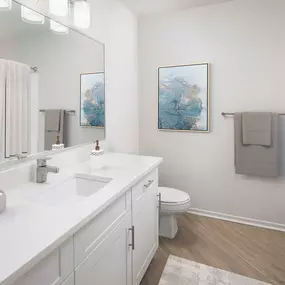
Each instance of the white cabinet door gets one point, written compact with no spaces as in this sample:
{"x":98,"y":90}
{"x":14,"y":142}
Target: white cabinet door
{"x":111,"y":262}
{"x":91,"y":235}
{"x":145,"y":220}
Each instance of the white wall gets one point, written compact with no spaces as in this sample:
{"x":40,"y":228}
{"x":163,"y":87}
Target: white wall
{"x":244,"y":41}
{"x":116,"y":27}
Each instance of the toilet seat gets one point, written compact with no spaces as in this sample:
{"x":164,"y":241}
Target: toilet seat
{"x":173,"y":200}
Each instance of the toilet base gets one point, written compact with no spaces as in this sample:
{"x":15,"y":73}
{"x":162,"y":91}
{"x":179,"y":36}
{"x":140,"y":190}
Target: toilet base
{"x":168,"y":226}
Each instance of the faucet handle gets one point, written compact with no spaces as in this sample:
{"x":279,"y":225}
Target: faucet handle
{"x":42,"y":161}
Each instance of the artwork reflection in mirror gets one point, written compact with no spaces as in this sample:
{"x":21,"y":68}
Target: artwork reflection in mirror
{"x":45,"y":97}
{"x":92,"y":100}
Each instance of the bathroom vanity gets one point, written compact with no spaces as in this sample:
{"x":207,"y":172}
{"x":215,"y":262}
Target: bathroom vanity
{"x":65,"y":232}
{"x":80,"y":226}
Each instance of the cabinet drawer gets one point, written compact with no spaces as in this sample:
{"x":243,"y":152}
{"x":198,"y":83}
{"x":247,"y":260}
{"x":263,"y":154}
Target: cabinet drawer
{"x":88,"y":238}
{"x":142,"y":189}
{"x":53,"y":269}
{"x":46,"y":272}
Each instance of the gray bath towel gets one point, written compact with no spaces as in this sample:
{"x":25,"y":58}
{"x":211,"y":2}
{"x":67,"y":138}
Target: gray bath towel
{"x":256,"y":159}
{"x":256,"y":128}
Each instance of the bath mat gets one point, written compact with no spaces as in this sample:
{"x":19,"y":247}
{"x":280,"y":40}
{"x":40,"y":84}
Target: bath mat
{"x":179,"y":271}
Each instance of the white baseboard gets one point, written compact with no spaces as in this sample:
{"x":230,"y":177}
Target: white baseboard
{"x":240,"y":220}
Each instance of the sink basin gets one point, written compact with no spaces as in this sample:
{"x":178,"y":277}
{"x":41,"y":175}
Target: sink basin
{"x":73,"y":190}
{"x":88,"y":186}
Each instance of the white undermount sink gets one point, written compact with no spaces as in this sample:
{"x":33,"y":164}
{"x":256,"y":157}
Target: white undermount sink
{"x":73,"y":190}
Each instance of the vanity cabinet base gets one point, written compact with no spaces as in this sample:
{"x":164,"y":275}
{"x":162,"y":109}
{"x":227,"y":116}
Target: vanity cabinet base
{"x":115,"y":248}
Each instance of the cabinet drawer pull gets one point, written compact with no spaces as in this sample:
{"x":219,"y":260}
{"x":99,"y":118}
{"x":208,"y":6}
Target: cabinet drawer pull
{"x":132,"y":229}
{"x":149,"y":183}
{"x":159,"y":208}
{"x":159,"y":201}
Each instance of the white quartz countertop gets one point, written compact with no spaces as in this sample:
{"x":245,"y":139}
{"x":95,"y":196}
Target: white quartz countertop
{"x":30,"y":229}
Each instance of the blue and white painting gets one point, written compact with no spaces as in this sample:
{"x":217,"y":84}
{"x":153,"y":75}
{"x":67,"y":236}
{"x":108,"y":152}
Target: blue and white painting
{"x":183,"y":102}
{"x":92,"y":111}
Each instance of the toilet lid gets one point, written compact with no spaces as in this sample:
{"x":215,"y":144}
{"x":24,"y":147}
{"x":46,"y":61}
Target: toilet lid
{"x":171,"y":195}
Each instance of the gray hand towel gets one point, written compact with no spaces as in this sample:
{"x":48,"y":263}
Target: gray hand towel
{"x":256,"y":159}
{"x":256,"y":129}
{"x":54,"y":126}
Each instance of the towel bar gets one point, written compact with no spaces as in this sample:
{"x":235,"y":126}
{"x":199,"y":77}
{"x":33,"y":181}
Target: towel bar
{"x":71,"y":112}
{"x":232,"y":114}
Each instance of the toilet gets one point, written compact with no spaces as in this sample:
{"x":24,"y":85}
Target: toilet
{"x":173,"y":203}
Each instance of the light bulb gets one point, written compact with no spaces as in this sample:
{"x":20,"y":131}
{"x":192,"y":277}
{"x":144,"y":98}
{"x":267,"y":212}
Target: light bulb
{"x":31,"y":16}
{"x":81,"y":14}
{"x":58,"y":7}
{"x":5,"y":4}
{"x":58,"y":28}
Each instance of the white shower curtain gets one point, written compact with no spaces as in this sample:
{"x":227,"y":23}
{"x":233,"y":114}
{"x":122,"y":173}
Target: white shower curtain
{"x":17,"y":97}
{"x":17,"y":85}
{"x":2,"y":107}
{"x":34,"y":114}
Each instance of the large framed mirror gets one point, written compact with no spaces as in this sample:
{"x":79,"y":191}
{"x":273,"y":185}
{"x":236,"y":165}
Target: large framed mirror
{"x":52,"y":85}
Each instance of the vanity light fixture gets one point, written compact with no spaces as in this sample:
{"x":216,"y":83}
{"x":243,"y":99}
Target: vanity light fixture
{"x":58,"y":7}
{"x":5,"y":4}
{"x":81,"y":14}
{"x":31,"y":16}
{"x":58,"y":28}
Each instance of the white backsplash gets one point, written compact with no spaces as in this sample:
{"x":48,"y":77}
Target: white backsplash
{"x":24,"y":172}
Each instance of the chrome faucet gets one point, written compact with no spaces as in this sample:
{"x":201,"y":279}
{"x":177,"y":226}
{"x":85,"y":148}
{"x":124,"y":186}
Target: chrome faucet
{"x":43,"y":169}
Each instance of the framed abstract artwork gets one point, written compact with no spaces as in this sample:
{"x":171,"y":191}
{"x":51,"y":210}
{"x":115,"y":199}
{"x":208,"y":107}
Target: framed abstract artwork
{"x":183,"y":98}
{"x":92,"y":100}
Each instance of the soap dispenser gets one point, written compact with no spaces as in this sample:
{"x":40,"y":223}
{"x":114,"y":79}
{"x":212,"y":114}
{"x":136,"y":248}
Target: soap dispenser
{"x":57,"y":144}
{"x":96,"y":157}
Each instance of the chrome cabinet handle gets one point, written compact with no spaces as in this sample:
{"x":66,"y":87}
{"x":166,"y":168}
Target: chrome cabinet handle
{"x":132,"y":229}
{"x":2,"y":201}
{"x":159,"y":201}
{"x":149,"y":183}
{"x":159,"y":208}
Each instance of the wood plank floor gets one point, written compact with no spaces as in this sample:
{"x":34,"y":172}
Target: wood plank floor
{"x":249,"y":251}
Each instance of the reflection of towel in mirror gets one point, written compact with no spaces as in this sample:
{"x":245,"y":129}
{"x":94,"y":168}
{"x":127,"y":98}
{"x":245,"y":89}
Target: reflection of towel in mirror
{"x":52,"y":120}
{"x":253,"y":159}
{"x":54,"y":126}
